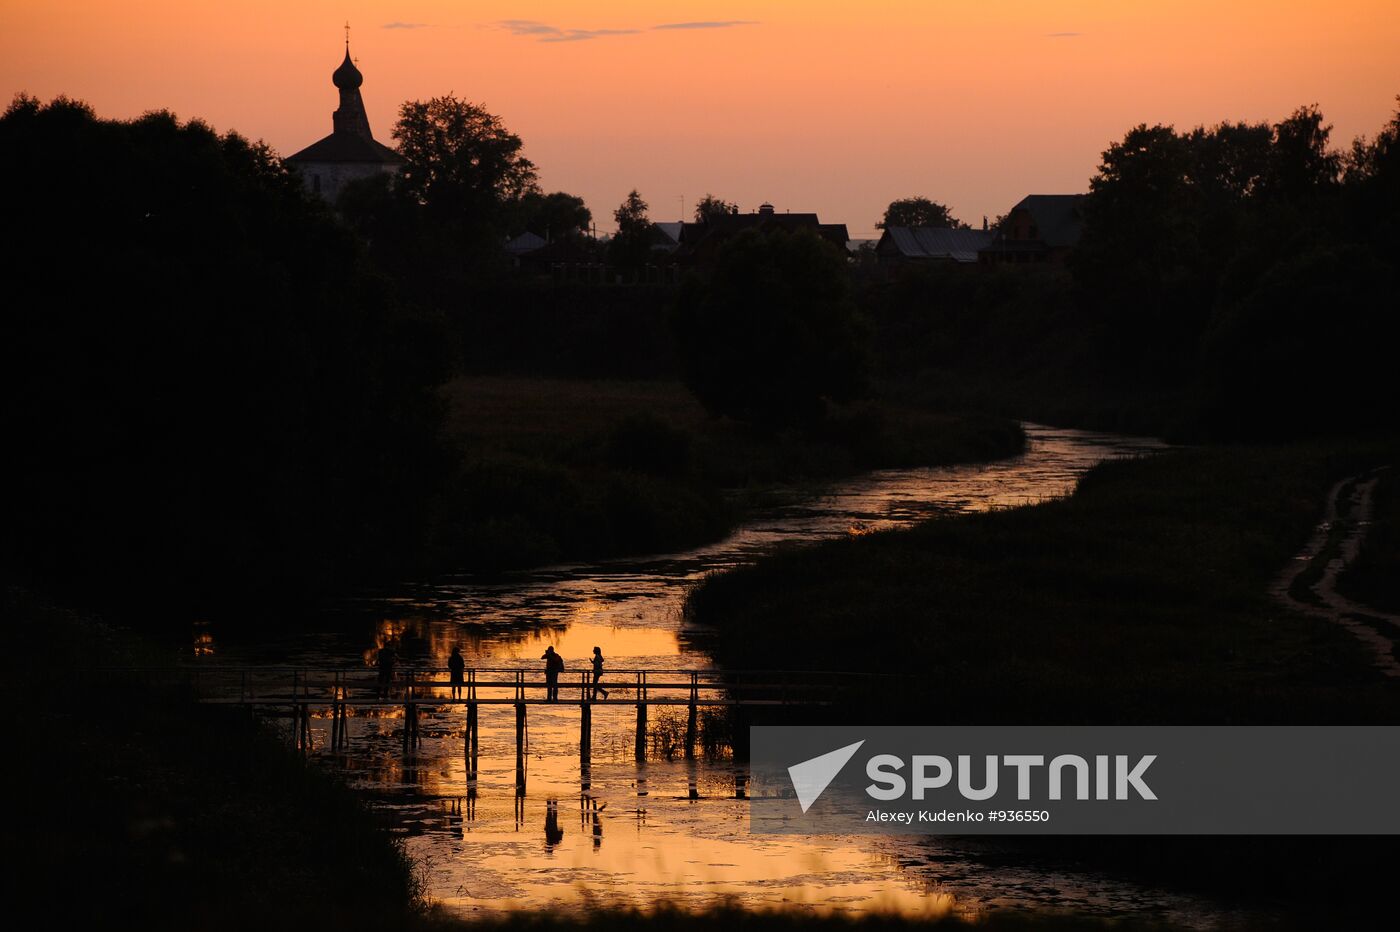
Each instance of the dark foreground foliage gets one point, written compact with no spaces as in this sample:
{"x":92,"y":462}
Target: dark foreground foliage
{"x":157,"y":813}
{"x":202,"y":381}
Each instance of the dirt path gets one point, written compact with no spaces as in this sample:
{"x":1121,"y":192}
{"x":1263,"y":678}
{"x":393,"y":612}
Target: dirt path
{"x":1334,"y":546}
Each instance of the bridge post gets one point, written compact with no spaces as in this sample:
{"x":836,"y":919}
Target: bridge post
{"x":691,"y":716}
{"x":335,"y":713}
{"x":520,"y":749}
{"x":640,"y":749}
{"x":471,"y":746}
{"x":585,"y":733}
{"x":410,"y":717}
{"x":340,"y":729}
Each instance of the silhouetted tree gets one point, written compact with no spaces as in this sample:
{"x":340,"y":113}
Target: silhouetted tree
{"x":773,"y":334}
{"x":630,"y":248}
{"x":918,"y":212}
{"x":710,"y":206}
{"x":460,"y":158}
{"x":1302,"y":168}
{"x":441,"y":222}
{"x":203,"y":383}
{"x":1372,"y":184}
{"x":553,"y":216}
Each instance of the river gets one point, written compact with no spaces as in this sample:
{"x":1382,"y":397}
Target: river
{"x":640,"y":835}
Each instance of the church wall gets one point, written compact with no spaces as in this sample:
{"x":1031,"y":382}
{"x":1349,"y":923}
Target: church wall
{"x":327,"y":179}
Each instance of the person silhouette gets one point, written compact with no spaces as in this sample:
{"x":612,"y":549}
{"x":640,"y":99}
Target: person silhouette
{"x":553,"y":666}
{"x":388,"y":657}
{"x":598,"y":672}
{"x":456,"y":666}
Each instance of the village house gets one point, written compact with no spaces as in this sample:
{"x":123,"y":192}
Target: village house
{"x":901,"y":245}
{"x":1040,"y":228}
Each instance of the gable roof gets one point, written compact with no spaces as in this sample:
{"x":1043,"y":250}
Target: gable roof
{"x":933,"y":243}
{"x":671,"y":230}
{"x":1058,"y":217}
{"x":526,"y":242}
{"x":347,"y":147}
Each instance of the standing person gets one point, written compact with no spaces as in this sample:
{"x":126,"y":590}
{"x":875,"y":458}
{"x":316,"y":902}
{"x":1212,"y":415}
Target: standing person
{"x":553,"y":666}
{"x":598,"y":672}
{"x":388,"y":656}
{"x":456,"y":666}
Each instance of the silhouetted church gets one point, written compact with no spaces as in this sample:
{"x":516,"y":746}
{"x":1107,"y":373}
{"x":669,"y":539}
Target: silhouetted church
{"x":350,"y":151}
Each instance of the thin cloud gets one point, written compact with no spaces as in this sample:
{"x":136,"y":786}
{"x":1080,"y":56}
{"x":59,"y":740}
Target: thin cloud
{"x":405,"y":26}
{"x":583,"y":35}
{"x":544,"y":32}
{"x":714,"y":24}
{"x":528,"y":27}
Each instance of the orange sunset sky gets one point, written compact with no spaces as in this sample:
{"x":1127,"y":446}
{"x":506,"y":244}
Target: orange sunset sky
{"x":836,"y":107}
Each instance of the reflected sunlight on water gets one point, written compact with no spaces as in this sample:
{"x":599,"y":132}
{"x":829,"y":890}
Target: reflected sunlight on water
{"x":668,"y":830}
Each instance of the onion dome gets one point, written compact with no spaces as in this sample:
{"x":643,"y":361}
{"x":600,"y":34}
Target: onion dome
{"x":347,"y":77}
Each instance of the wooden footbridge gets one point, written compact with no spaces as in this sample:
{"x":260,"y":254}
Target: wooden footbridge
{"x":302,"y":692}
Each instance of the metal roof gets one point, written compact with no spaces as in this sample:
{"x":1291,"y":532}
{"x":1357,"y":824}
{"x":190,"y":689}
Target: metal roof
{"x":937,"y":242}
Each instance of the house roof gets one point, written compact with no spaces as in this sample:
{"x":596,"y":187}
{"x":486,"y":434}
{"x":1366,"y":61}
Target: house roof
{"x":526,"y":242}
{"x":934,"y":243}
{"x":671,"y":229}
{"x":1058,"y":218}
{"x":347,"y":147}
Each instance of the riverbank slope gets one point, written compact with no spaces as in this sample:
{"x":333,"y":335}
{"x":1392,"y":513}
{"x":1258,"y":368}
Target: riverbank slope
{"x":1142,"y":598}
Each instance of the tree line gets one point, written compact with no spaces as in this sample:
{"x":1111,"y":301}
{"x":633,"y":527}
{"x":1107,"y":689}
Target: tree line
{"x":213,"y":382}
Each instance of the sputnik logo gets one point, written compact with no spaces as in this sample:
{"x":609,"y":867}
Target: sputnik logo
{"x":811,"y":777}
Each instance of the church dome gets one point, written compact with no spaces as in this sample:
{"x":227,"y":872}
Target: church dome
{"x":347,"y":77}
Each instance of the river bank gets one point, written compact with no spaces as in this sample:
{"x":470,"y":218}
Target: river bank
{"x":1142,"y":598}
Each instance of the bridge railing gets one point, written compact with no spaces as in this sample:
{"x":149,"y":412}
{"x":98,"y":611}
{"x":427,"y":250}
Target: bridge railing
{"x":362,"y":685}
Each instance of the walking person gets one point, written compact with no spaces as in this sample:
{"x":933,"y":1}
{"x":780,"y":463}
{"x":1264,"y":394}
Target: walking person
{"x":553,"y":666}
{"x":598,"y":673}
{"x":456,"y":666}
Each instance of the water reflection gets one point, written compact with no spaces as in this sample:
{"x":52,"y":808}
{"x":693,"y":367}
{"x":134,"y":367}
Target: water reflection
{"x":676,"y":826}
